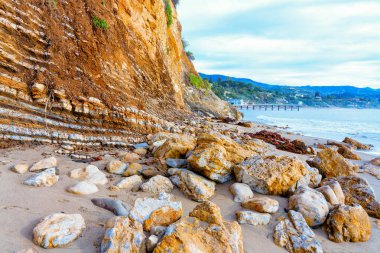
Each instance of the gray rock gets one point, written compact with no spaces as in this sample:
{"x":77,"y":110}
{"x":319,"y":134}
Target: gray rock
{"x":141,"y":145}
{"x":45,"y":178}
{"x":295,"y":235}
{"x":241,"y":192}
{"x":151,"y":243}
{"x":252,"y":218}
{"x":113,"y":205}
{"x":176,"y":163}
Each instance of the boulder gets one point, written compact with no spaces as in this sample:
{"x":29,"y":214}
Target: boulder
{"x":375,"y":161}
{"x":45,"y":178}
{"x":123,"y":235}
{"x":207,"y":212}
{"x":191,"y":234}
{"x":116,"y":167}
{"x":252,"y":218}
{"x":20,"y":168}
{"x":47,"y":163}
{"x":331,"y":164}
{"x":90,"y":174}
{"x":215,"y":155}
{"x":113,"y":205}
{"x":129,"y":157}
{"x":255,"y":146}
{"x":241,"y":192}
{"x":357,"y":144}
{"x":58,"y":230}
{"x":348,"y":224}
{"x":176,"y":163}
{"x":261,"y":204}
{"x":332,"y":191}
{"x":140,"y":151}
{"x":311,"y":204}
{"x":192,"y":185}
{"x":348,"y":153}
{"x":159,"y":211}
{"x":175,"y":147}
{"x":133,"y":169}
{"x":358,"y":191}
{"x":158,"y":184}
{"x":271,"y":174}
{"x":132,"y":183}
{"x":295,"y":235}
{"x":83,"y":188}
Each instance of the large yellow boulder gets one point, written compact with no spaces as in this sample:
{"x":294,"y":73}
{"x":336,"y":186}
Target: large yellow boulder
{"x":331,"y":164}
{"x":348,"y":224}
{"x":215,"y":155}
{"x":175,"y":147}
{"x":202,"y":233}
{"x":273,"y":175}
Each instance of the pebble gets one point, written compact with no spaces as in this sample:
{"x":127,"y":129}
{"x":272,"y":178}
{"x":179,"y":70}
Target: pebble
{"x":252,"y":218}
{"x":20,"y":168}
{"x":241,"y":192}
{"x":113,"y":205}
{"x":50,"y":162}
{"x":157,"y":185}
{"x":131,"y":183}
{"x":45,"y":178}
{"x":83,"y":188}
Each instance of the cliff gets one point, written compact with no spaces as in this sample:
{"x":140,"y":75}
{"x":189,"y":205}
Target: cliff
{"x":94,"y":72}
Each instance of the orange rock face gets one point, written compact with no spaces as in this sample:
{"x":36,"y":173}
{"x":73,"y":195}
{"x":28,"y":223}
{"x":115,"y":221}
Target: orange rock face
{"x":61,"y":70}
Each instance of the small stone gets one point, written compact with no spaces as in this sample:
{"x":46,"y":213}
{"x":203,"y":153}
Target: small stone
{"x":295,"y":235}
{"x":311,"y":204}
{"x":43,"y":164}
{"x":151,"y":243}
{"x":130,"y":158}
{"x":151,"y":172}
{"x":156,"y":212}
{"x":132,"y":183}
{"x":176,"y":163}
{"x":141,"y":145}
{"x":192,"y":185}
{"x":348,"y":224}
{"x":261,"y":204}
{"x":133,"y":169}
{"x":116,"y":167}
{"x":45,"y":178}
{"x":83,"y":188}
{"x":140,"y":151}
{"x":91,"y":174}
{"x":58,"y":230}
{"x":241,"y":192}
{"x":113,"y":205}
{"x":207,"y":212}
{"x":20,"y":168}
{"x":248,"y":217}
{"x":123,"y":235}
{"x":158,"y":184}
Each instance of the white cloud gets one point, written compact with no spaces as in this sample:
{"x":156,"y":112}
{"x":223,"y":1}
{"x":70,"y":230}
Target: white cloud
{"x":330,"y":43}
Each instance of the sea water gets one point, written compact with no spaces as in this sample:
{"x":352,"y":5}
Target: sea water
{"x":334,"y":124}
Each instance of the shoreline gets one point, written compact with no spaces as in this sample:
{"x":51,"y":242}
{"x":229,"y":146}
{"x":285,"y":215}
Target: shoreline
{"x":22,"y":206}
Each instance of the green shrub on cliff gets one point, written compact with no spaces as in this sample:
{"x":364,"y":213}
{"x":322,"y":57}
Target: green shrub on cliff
{"x":100,"y":23}
{"x":169,"y":13}
{"x":198,"y":82}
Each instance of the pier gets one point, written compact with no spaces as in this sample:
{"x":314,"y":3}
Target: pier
{"x":271,"y":107}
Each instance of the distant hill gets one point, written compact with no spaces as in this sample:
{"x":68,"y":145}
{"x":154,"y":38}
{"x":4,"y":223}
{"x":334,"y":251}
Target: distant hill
{"x":232,"y":88}
{"x":324,"y":90}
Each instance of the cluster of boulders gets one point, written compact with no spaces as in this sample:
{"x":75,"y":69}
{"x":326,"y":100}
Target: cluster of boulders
{"x":340,"y":202}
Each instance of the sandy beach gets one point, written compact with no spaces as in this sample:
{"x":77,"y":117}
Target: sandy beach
{"x":21,"y":206}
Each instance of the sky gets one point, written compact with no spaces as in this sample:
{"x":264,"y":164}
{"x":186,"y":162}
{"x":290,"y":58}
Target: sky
{"x":297,"y":42}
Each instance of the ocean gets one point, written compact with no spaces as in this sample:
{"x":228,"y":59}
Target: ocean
{"x":330,"y":123}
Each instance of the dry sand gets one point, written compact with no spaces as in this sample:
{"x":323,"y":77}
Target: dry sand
{"x":21,"y":206}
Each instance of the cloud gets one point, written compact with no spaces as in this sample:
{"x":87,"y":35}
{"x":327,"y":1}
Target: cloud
{"x":330,"y":43}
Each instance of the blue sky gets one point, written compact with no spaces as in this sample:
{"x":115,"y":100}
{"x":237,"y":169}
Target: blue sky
{"x":297,"y":42}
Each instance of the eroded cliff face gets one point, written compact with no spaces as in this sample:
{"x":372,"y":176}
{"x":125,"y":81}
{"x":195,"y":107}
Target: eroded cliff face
{"x":64,"y":79}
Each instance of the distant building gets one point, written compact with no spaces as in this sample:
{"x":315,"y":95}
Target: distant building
{"x":236,"y":101}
